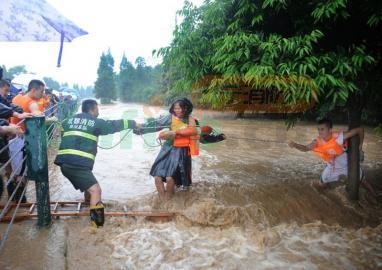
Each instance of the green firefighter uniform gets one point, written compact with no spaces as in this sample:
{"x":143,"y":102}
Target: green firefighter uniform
{"x":78,"y":147}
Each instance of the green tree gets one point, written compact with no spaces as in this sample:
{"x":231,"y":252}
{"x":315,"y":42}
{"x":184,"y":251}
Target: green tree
{"x":83,"y":92}
{"x":16,"y":70}
{"x":140,"y":83}
{"x":125,"y":80}
{"x":13,"y":71}
{"x":105,"y":83}
{"x":146,"y":83}
{"x":328,"y":50}
{"x":86,"y":92}
{"x":52,"y":83}
{"x":141,"y":76}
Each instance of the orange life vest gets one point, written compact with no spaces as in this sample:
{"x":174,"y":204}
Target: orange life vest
{"x":43,"y":103}
{"x":163,"y":135}
{"x":184,"y":137}
{"x":329,"y":150}
{"x":23,"y":101}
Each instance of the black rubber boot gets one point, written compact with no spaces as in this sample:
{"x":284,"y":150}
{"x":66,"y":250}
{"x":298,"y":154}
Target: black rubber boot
{"x":97,"y":215}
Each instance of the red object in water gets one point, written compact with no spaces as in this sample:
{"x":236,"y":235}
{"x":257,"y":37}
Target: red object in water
{"x":206,"y":130}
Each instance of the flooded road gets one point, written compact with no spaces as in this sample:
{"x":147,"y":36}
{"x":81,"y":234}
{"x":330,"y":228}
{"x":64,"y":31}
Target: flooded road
{"x":251,"y":206}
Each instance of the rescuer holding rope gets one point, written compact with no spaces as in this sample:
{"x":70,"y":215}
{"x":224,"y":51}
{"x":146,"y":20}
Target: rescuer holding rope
{"x":78,"y":150}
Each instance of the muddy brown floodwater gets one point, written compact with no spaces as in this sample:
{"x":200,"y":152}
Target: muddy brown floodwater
{"x":251,"y":206}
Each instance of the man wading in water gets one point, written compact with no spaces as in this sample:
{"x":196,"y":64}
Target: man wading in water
{"x":78,"y":150}
{"x":331,"y":147}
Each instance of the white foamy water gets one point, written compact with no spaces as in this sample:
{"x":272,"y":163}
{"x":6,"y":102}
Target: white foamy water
{"x":251,"y":207}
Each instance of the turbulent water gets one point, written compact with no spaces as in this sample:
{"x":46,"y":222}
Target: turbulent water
{"x":251,"y":206}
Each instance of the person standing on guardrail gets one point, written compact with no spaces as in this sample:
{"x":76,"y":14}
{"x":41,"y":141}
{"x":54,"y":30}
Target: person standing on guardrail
{"x":78,"y":149}
{"x":29,"y":103}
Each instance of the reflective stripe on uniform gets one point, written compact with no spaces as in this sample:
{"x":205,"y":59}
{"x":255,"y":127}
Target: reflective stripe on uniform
{"x":125,"y":123}
{"x":77,"y":153}
{"x":81,"y":134}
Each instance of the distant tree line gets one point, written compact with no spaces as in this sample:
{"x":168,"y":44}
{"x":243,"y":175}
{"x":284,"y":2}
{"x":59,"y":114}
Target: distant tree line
{"x":133,"y":83}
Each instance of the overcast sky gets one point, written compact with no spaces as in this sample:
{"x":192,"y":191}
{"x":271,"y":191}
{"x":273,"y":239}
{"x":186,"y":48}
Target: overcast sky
{"x":135,"y":27}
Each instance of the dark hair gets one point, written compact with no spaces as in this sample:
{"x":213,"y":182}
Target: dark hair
{"x":88,"y":105}
{"x":328,"y":122}
{"x":184,"y":103}
{"x":4,"y":83}
{"x":35,"y":84}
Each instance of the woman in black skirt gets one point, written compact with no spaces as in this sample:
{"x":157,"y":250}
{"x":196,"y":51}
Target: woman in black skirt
{"x":173,"y":163}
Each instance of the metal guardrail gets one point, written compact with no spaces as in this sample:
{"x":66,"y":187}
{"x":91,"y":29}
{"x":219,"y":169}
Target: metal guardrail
{"x":37,"y":138}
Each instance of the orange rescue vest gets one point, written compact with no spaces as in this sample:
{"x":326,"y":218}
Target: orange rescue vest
{"x":43,"y":103}
{"x":329,"y":150}
{"x":204,"y":130}
{"x":184,"y":137}
{"x":23,"y":101}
